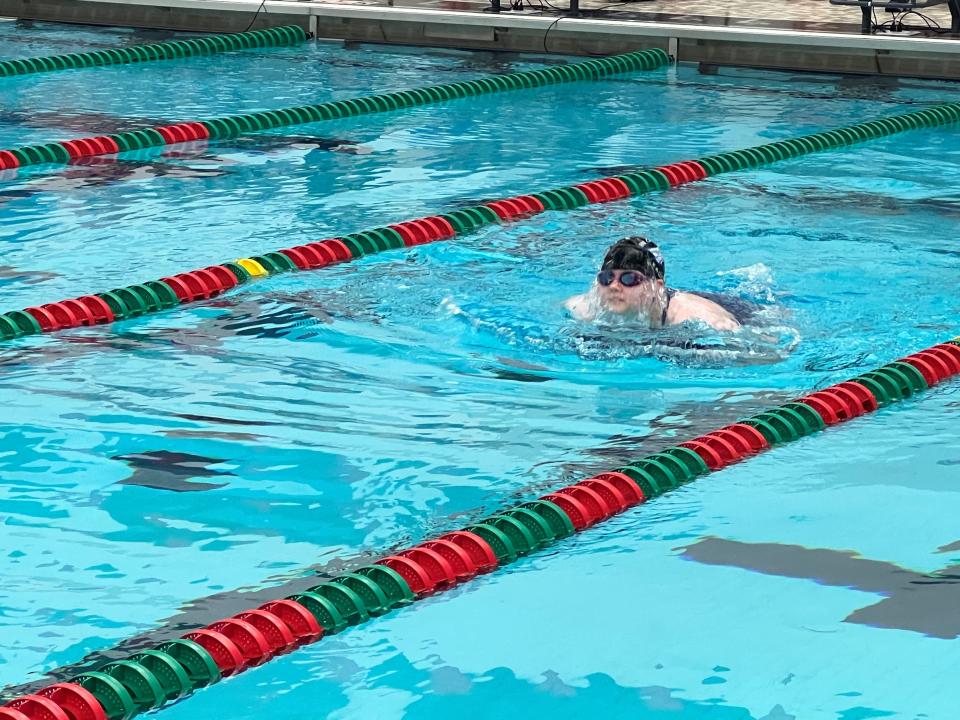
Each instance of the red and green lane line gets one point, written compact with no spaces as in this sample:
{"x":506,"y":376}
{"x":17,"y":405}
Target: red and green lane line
{"x":151,"y":678}
{"x":269,"y":37}
{"x":169,"y":292}
{"x":229,"y":127}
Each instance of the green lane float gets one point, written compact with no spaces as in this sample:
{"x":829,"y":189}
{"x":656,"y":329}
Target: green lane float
{"x":175,"y":49}
{"x":154,"y":677}
{"x":232,"y":126}
{"x":888,"y":384}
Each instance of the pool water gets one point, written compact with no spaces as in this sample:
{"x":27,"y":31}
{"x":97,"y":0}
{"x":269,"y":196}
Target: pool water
{"x":154,"y":467}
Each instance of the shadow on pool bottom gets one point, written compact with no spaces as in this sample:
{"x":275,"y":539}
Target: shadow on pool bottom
{"x":164,"y":470}
{"x":917,"y":602}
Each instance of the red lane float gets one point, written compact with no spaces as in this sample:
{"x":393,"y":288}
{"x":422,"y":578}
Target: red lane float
{"x":36,"y":707}
{"x":680,"y":173}
{"x":515,"y":208}
{"x":629,"y":490}
{"x":596,"y":508}
{"x":202,"y":284}
{"x":197,"y":285}
{"x":182,"y":132}
{"x":223,"y":650}
{"x":8,"y":161}
{"x":579,"y":515}
{"x":459,"y":559}
{"x":278,"y":635}
{"x":416,"y":577}
{"x":90,"y":147}
{"x":248,"y":639}
{"x":711,"y":457}
{"x":300,"y":621}
{"x":77,"y":702}
{"x":8,"y":713}
{"x":937,"y":363}
{"x":252,"y":637}
{"x":480,"y":552}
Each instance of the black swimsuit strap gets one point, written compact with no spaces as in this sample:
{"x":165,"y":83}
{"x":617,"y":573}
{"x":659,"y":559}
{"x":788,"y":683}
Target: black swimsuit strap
{"x":663,"y":318}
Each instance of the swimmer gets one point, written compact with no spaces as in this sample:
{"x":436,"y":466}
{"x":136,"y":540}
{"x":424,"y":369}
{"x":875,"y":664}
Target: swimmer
{"x":631,"y":284}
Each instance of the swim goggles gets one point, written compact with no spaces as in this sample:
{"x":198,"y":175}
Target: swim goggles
{"x":628,"y":278}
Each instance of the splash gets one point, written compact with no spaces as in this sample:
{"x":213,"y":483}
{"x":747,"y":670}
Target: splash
{"x":753,"y":282}
{"x":612,"y":337}
{"x":687,"y":345}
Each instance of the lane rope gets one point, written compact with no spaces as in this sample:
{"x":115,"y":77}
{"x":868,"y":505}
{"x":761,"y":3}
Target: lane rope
{"x":63,"y":152}
{"x":151,"y":678}
{"x":169,"y":292}
{"x":172,"y":50}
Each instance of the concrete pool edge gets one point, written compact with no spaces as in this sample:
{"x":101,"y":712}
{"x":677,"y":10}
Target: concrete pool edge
{"x":776,"y":49}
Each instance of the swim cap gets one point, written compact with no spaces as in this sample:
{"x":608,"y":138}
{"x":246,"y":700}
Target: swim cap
{"x":635,"y":253}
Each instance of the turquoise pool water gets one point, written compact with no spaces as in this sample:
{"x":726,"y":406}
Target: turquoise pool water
{"x":152,"y":468}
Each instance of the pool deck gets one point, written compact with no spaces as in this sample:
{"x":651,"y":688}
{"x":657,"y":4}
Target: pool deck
{"x":799,"y":35}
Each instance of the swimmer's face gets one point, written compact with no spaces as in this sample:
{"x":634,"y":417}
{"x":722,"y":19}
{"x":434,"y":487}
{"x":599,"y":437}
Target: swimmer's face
{"x":627,"y":291}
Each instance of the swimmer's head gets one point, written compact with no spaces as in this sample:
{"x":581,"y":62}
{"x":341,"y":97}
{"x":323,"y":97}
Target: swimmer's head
{"x":635,"y":253}
{"x":630,"y":280}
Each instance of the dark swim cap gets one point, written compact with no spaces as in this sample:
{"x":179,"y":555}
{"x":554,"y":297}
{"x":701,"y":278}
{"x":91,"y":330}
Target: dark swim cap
{"x":635,"y":253}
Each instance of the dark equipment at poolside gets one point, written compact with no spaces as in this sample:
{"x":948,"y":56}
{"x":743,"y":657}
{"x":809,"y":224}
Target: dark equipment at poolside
{"x":867,"y":8}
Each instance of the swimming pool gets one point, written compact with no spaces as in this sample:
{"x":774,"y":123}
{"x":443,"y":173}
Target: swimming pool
{"x":325,"y":415}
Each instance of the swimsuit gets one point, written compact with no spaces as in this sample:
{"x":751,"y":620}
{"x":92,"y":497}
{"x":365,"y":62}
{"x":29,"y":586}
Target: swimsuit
{"x":742,"y":310}
{"x":663,"y":318}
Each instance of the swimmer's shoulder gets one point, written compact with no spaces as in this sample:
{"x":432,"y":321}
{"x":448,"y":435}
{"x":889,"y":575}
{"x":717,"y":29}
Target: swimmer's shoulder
{"x":581,"y":306}
{"x":685,"y":306}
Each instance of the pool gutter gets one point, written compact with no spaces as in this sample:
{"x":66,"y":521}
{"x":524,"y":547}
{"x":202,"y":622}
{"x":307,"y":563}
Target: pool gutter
{"x":792,"y":50}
